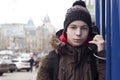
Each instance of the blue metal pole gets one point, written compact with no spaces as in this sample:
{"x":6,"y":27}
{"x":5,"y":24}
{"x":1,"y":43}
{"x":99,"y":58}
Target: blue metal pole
{"x":115,"y":40}
{"x":97,"y":13}
{"x":108,"y":38}
{"x":100,"y":16}
{"x":103,"y":18}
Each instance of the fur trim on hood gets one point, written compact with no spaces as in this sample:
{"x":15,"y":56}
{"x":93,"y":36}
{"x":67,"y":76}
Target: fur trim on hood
{"x":56,"y":43}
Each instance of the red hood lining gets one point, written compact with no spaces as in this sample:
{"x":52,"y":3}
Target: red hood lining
{"x":63,"y":38}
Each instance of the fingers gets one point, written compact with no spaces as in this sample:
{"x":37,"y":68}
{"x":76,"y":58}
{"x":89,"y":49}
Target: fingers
{"x":93,"y":42}
{"x":99,"y":41}
{"x":98,"y":38}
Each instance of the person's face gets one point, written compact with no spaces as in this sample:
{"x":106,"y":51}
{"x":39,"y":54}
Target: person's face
{"x":77,"y":33}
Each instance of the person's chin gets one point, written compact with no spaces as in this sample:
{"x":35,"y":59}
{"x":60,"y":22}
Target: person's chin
{"x":77,"y":44}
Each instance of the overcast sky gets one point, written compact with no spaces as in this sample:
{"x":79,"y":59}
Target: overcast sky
{"x":20,"y":11}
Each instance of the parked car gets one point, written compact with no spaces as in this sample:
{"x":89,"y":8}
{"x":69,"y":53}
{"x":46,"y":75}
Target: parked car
{"x":12,"y":66}
{"x":22,"y":64}
{"x":8,"y":60}
{"x":4,"y":67}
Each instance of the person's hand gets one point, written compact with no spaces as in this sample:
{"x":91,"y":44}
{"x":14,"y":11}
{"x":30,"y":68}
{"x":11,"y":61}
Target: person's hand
{"x":99,"y":41}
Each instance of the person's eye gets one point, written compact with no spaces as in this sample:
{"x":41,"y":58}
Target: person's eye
{"x":73,"y":27}
{"x":84,"y":28}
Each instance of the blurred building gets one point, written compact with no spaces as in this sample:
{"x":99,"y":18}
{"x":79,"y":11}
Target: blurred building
{"x":43,"y":33}
{"x":26,"y":37}
{"x":14,"y":35}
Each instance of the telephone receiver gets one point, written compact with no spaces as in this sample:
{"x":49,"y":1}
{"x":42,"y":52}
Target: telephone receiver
{"x":93,"y":47}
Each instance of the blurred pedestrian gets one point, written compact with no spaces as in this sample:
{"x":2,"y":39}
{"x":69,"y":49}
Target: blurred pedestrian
{"x":31,"y":63}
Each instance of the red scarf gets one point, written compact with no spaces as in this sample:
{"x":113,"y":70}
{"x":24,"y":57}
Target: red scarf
{"x":63,"y":38}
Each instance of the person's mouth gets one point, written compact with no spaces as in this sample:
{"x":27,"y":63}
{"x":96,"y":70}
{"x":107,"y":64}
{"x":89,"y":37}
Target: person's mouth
{"x":78,"y":40}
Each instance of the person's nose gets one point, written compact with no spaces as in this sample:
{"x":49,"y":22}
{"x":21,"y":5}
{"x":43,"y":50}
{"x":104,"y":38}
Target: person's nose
{"x":78,"y":32}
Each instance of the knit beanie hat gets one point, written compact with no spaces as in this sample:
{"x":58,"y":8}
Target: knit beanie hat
{"x":78,"y":11}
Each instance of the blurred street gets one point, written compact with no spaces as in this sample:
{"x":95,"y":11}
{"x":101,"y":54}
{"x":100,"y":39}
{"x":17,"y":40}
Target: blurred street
{"x":21,"y":75}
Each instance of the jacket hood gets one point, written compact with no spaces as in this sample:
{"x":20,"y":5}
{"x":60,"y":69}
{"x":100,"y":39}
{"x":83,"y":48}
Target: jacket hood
{"x":59,"y":40}
{"x":55,"y":42}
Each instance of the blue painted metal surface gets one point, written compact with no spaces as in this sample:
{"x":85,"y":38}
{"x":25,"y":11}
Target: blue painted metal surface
{"x":103,"y":18}
{"x":115,"y":40}
{"x":100,"y":16}
{"x":97,"y":13}
{"x":111,"y":32}
{"x":108,"y":39}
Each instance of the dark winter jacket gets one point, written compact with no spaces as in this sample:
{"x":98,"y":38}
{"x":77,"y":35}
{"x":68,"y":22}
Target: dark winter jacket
{"x":31,"y":61}
{"x":71,"y":63}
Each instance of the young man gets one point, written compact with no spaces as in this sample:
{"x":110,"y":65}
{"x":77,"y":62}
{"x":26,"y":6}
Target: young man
{"x":78,"y":53}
